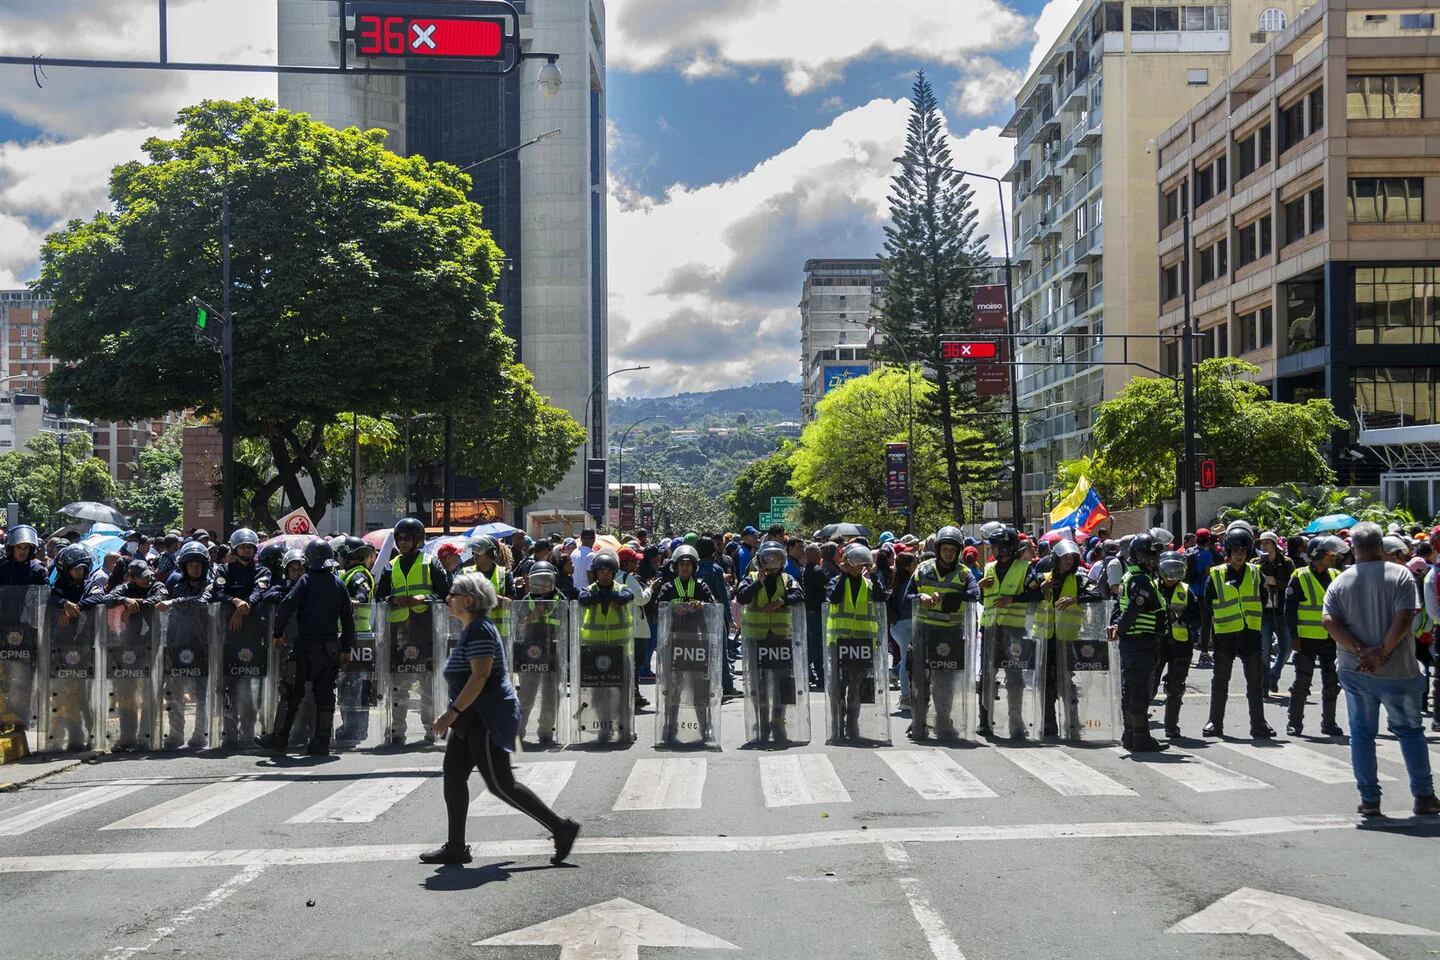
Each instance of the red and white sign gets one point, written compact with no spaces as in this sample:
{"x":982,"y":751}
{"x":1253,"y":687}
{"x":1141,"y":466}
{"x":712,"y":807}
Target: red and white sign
{"x":469,"y":38}
{"x":969,"y":350}
{"x":297,"y":521}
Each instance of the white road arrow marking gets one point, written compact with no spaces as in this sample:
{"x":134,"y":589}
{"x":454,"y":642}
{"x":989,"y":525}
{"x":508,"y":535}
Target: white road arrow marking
{"x":614,"y":930}
{"x":422,"y":36}
{"x":1317,"y":931}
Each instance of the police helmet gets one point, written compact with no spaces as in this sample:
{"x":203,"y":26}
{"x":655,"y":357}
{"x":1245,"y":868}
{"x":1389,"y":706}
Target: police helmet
{"x":686,"y":552}
{"x":1323,"y":545}
{"x":1161,"y":536}
{"x":243,"y":536}
{"x":1239,"y":538}
{"x":1240,"y":525}
{"x":271,"y":557}
{"x":353,"y":549}
{"x":1006,"y":541}
{"x":991,"y":529}
{"x":194,"y":550}
{"x":542,"y":577}
{"x":1144,"y":551}
{"x":1065,"y":548}
{"x":1172,"y":565}
{"x":318,"y":553}
{"x":293,"y":556}
{"x":24,"y":533}
{"x":483,"y":544}
{"x":771,"y":554}
{"x":608,"y":561}
{"x":411,"y":527}
{"x":73,"y":556}
{"x":138,"y":568}
{"x":857,"y":554}
{"x":950,"y":535}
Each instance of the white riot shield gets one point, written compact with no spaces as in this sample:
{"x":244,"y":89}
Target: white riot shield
{"x":360,"y":691}
{"x":602,"y":672}
{"x":1087,"y":676}
{"x":940,"y":673}
{"x":856,"y":680}
{"x":72,"y":682}
{"x":777,"y":689}
{"x":246,"y":675}
{"x":687,"y":674}
{"x":187,"y":667}
{"x":22,"y":657}
{"x":540,"y":668}
{"x":130,"y":640}
{"x":1012,"y":669}
{"x":414,"y":639}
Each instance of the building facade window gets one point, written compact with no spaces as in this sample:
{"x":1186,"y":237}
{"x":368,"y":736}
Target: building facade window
{"x":1172,"y":205}
{"x":1384,"y":97}
{"x":1397,"y":305}
{"x":1272,"y":20}
{"x":1305,"y":316}
{"x":1252,"y":153}
{"x":1385,"y":200}
{"x":1400,"y":396}
{"x":1163,"y":19}
{"x":1316,"y":99}
{"x":1292,"y":125}
{"x":1317,"y":209}
{"x":1253,"y":241}
{"x":1295,"y":220}
{"x":1211,"y":263}
{"x":1170,"y":283}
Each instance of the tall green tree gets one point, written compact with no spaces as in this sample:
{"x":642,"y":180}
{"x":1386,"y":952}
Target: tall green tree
{"x":362,"y":281}
{"x":932,"y":259}
{"x":154,"y":496}
{"x":758,"y":483}
{"x":31,"y":477}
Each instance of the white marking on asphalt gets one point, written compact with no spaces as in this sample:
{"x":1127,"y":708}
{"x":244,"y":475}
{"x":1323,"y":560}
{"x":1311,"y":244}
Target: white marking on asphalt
{"x":365,"y":800}
{"x":614,"y":930}
{"x":1063,"y":773}
{"x":211,"y":900}
{"x":387,"y":853}
{"x":1389,"y":750}
{"x":86,"y":799}
{"x":935,"y":775}
{"x":545,"y":779}
{"x":200,"y":806}
{"x":936,"y":935}
{"x":1199,"y":774}
{"x":675,"y":783}
{"x":1297,"y":759}
{"x":1317,"y":931}
{"x":794,"y":779}
{"x":895,"y":853}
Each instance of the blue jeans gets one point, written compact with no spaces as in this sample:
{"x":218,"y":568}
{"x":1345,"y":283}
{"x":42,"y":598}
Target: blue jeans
{"x":1364,"y":693}
{"x":1272,"y":623}
{"x":900,"y":630}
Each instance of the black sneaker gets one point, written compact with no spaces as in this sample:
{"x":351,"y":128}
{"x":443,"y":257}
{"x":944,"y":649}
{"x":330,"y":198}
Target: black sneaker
{"x":1213,"y":729}
{"x":447,"y":854}
{"x":1263,"y":732}
{"x":1427,"y":806}
{"x":564,"y":841}
{"x":1332,"y":729}
{"x":1205,"y":660}
{"x":270,"y":742}
{"x":1369,"y":808}
{"x":1294,"y":729}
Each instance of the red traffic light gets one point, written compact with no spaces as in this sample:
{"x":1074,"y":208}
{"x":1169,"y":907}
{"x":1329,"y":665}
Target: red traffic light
{"x":969,"y":350}
{"x":1208,"y":475}
{"x":472,"y":38}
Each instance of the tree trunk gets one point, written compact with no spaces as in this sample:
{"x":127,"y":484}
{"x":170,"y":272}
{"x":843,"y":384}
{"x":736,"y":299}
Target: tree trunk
{"x":947,"y":427}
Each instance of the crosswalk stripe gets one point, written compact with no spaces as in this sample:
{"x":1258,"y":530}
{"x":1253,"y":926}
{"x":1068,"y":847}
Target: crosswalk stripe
{"x":1199,"y":774}
{"x":1296,"y":759}
{"x":545,"y":779}
{"x":793,"y":779}
{"x":200,"y":806}
{"x":1390,"y":750}
{"x":364,"y":800}
{"x":675,"y":783}
{"x":935,"y":775}
{"x":1063,"y":773}
{"x":87,"y":799}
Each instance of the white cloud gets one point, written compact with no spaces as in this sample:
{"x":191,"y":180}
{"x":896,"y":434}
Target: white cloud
{"x":1048,"y":25}
{"x":19,"y":242}
{"x":704,"y":281}
{"x":811,"y":42}
{"x":985,"y":84}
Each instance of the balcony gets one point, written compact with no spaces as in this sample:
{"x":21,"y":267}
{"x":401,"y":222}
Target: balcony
{"x":1082,"y":188}
{"x":1090,"y":134}
{"x":1052,"y":373}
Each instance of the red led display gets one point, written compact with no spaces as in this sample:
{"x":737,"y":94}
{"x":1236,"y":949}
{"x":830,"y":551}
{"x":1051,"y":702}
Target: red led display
{"x":469,"y":38}
{"x":970,"y":350}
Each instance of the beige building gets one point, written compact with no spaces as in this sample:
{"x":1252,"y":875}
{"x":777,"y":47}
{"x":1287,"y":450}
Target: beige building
{"x":1312,"y":181}
{"x":1117,"y":76}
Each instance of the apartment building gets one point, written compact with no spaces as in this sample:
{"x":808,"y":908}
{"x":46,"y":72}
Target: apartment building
{"x":1311,"y":180}
{"x":837,"y":300}
{"x":1085,"y":282}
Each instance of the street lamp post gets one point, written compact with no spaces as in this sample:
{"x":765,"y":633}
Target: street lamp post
{"x":590,"y":403}
{"x":620,"y":471}
{"x":910,"y":422}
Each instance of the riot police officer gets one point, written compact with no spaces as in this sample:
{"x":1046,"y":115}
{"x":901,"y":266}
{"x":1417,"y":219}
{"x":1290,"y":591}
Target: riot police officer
{"x":852,"y":625}
{"x":1064,"y":591}
{"x":21,"y":574}
{"x":72,"y":648}
{"x":1233,"y":596}
{"x":187,"y":646}
{"x":322,"y":609}
{"x":687,"y":596}
{"x":408,"y":586}
{"x":765,"y":624}
{"x":941,"y":587}
{"x":1172,"y":658}
{"x":605,"y":622}
{"x":1304,"y":607}
{"x":1140,"y":627}
{"x":1006,"y":590}
{"x":357,"y":683}
{"x":485,"y":556}
{"x":240,"y":584}
{"x":139,"y":633}
{"x":538,"y":627}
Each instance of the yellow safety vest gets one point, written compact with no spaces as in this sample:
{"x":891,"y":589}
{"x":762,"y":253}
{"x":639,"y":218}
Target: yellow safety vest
{"x":852,"y":616}
{"x":363,"y":612}
{"x":1065,"y":624}
{"x":416,"y":583}
{"x":1144,"y":624}
{"x":684,"y":590}
{"x":1312,"y":604}
{"x":930,"y":582}
{"x":500,"y":616}
{"x":1236,"y":608}
{"x":1012,"y":586}
{"x":755,"y":622}
{"x":1179,"y":597}
{"x":606,"y":623}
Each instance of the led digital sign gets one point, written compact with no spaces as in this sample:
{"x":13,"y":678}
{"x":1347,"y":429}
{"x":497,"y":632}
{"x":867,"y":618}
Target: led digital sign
{"x":452,"y":38}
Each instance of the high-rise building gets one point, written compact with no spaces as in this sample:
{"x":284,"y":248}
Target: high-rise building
{"x":1116,"y":77}
{"x":545,"y":205}
{"x":1311,"y":181}
{"x":835,"y":315}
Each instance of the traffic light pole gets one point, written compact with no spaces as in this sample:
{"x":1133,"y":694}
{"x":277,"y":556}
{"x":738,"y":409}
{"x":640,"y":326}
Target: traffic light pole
{"x":1187,"y":389}
{"x":227,"y":370}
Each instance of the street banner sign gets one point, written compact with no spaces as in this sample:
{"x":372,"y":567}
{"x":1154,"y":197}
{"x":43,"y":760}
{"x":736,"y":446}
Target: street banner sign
{"x":992,"y":379}
{"x":297,"y":521}
{"x":647,"y":516}
{"x":595,"y":488}
{"x":467,"y":513}
{"x":897,"y":475}
{"x":627,"y":507}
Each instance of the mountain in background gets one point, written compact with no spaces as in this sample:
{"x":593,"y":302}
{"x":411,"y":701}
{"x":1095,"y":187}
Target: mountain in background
{"x":773,"y":402}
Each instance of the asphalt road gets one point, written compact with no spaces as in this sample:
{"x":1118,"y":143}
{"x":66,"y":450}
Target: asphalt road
{"x":990,"y":850}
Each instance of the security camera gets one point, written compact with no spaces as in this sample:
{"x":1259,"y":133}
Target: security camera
{"x":549,"y":79}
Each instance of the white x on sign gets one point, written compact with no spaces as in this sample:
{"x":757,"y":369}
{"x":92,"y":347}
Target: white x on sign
{"x":967,"y":349}
{"x":422,"y":36}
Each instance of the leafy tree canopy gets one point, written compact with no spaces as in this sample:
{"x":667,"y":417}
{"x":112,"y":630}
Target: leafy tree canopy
{"x":31,"y":477}
{"x":154,"y":497}
{"x":758,"y":483}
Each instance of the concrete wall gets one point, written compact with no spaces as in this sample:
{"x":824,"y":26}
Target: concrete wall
{"x":200,"y":467}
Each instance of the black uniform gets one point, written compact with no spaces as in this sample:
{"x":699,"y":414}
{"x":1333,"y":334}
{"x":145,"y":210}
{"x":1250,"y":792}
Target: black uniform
{"x":243,"y":652}
{"x":321,"y":607}
{"x":852,"y":676}
{"x":1142,"y":625}
{"x":1086,"y":591}
{"x":1243,"y":644}
{"x":19,"y":640}
{"x":774,"y":689}
{"x":1172,"y":659}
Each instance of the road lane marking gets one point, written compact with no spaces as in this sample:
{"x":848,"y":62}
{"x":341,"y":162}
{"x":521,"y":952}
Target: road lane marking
{"x":87,"y":799}
{"x":1199,"y":774}
{"x":1296,"y":759}
{"x":795,"y":779}
{"x":675,"y":783}
{"x":546,"y":780}
{"x":1063,"y":773}
{"x":200,"y":806}
{"x":211,"y":900}
{"x":366,"y":799}
{"x":935,"y":775}
{"x":390,"y":853}
{"x":1389,"y":750}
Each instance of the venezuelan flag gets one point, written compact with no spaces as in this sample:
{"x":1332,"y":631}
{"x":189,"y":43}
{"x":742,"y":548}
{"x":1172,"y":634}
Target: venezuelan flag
{"x":1081,"y":510}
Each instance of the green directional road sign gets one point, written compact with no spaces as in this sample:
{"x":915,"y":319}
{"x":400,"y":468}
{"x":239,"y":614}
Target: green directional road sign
{"x":781,"y":504}
{"x":766,"y":519}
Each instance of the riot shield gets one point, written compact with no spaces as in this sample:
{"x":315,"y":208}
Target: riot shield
{"x":245,"y":677}
{"x":777,"y":690}
{"x":22,"y":650}
{"x":940,"y":671}
{"x":130,"y":639}
{"x":1087,"y":677}
{"x":72,"y":680}
{"x":285,"y":670}
{"x":412,"y":638}
{"x":360,"y":692}
{"x":540,"y":668}
{"x":856,"y":681}
{"x":602,"y":673}
{"x":1012,"y":667}
{"x":690,"y":644}
{"x":189,"y":651}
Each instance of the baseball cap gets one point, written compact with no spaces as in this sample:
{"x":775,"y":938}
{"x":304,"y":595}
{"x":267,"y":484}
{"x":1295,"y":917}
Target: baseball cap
{"x":627,"y":555}
{"x":448,"y":550}
{"x":1203,"y":533}
{"x":749,"y":531}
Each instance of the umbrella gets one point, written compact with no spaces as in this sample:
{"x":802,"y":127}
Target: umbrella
{"x":90,"y":510}
{"x":606,"y":542}
{"x":109,"y":528}
{"x":101,"y":544}
{"x":497,"y":530}
{"x":1331,"y":521}
{"x":842,"y":530}
{"x":377,"y":538}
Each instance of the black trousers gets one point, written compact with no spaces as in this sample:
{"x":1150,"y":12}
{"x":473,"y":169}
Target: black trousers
{"x":1309,"y":652}
{"x":1172,"y":662}
{"x":474,"y":750}
{"x":1244,"y":645}
{"x":314,"y":661}
{"x":1137,"y":668}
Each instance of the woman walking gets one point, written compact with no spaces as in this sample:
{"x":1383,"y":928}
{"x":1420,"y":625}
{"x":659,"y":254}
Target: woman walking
{"x":484,"y":716}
